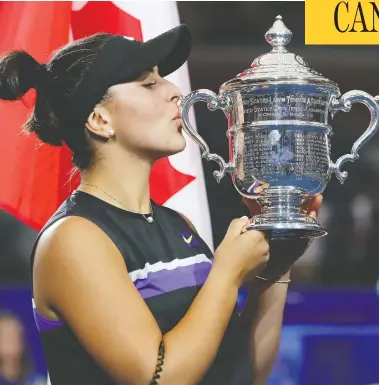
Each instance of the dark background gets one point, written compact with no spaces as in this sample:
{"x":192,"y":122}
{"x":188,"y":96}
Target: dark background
{"x":228,"y":36}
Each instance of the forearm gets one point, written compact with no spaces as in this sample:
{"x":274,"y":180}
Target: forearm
{"x":193,"y":344}
{"x":262,"y":319}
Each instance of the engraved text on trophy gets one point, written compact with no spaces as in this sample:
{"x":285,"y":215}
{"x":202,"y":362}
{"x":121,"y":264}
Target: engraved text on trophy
{"x":282,"y":157}
{"x":285,"y":106}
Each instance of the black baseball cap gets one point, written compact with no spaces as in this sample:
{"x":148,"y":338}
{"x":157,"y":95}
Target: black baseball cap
{"x":122,"y":60}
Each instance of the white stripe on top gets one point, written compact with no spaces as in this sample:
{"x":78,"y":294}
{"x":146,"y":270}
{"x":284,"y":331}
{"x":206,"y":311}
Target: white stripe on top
{"x":158,"y":266}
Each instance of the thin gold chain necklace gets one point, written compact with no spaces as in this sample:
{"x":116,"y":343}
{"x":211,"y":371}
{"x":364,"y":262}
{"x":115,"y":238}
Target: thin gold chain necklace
{"x":148,"y":217}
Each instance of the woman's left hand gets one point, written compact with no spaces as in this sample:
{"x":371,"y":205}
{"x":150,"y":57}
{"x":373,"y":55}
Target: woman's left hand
{"x":283,"y":254}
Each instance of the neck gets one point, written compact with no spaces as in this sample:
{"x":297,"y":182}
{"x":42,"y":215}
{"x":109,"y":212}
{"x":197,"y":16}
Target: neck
{"x":128,"y":184}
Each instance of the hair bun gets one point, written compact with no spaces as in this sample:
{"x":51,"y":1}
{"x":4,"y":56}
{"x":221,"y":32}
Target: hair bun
{"x":18,"y":73}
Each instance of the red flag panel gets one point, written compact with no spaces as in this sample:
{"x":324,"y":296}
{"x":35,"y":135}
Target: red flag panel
{"x":30,"y":174}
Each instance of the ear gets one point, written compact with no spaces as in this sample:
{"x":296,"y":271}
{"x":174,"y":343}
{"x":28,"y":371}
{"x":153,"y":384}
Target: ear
{"x":98,"y":123}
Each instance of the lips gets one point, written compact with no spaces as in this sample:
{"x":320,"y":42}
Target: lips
{"x":178,"y":114}
{"x":178,"y":121}
{"x":178,"y":118}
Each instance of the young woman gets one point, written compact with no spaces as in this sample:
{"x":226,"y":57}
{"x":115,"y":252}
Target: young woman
{"x":126,"y":291}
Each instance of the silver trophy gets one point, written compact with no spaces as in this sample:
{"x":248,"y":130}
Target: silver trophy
{"x":278,"y":114}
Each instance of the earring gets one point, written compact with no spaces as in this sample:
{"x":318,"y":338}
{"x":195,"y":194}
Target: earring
{"x":110,"y":132}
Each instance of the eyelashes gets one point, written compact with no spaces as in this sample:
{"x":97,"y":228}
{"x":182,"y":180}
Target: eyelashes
{"x":149,"y":85}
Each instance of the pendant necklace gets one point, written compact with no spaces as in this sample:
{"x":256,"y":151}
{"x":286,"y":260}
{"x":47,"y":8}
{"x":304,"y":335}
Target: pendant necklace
{"x":148,"y":217}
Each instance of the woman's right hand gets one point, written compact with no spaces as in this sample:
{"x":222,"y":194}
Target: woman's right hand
{"x":242,"y":253}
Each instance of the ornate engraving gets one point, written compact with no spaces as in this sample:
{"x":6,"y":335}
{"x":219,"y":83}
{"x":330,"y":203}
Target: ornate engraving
{"x":285,"y":106}
{"x":274,"y":154}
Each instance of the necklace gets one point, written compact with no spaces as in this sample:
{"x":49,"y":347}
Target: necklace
{"x":148,"y":217}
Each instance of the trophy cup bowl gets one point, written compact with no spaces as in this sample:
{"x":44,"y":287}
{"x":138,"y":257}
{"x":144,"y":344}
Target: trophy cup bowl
{"x":278,"y":114}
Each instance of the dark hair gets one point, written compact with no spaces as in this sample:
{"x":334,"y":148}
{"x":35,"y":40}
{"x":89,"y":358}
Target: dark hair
{"x":54,"y":82}
{"x":25,"y":364}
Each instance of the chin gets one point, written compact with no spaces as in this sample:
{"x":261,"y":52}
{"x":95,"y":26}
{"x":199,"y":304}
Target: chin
{"x":178,"y":144}
{"x":176,"y":150}
{"x":173,"y":148}
{"x":181,"y":144}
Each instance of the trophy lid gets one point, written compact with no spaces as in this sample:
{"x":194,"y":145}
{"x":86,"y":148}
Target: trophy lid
{"x":279,"y":65}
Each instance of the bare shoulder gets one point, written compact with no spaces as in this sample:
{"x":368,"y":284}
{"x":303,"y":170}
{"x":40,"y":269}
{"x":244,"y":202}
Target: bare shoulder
{"x":69,"y":230}
{"x":71,"y":237}
{"x":72,"y":244}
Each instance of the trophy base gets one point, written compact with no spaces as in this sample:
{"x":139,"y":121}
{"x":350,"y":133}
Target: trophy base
{"x":281,"y":215}
{"x":290,"y":230}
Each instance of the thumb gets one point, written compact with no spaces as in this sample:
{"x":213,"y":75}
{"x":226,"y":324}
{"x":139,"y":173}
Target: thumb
{"x":236,"y":227}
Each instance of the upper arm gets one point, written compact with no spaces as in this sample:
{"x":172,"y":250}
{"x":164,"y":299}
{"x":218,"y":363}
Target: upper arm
{"x":82,"y":275}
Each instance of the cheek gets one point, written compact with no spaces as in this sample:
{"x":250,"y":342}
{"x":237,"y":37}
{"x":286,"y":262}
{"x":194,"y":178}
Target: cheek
{"x":150,"y":117}
{"x":143,"y":119}
{"x":139,"y":113}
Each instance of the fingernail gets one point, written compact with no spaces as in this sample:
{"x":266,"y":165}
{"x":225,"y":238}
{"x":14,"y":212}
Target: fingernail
{"x":244,"y":217}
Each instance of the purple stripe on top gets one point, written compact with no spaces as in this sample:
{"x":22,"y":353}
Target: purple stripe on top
{"x":163,"y":281}
{"x":44,"y":324}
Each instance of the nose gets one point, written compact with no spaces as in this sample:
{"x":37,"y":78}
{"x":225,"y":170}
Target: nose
{"x":175,"y":94}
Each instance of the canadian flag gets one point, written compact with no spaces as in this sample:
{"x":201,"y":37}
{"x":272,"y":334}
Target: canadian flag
{"x":34,"y":179}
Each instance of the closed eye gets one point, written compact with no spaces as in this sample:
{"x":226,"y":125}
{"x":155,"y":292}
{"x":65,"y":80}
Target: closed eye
{"x":149,"y":85}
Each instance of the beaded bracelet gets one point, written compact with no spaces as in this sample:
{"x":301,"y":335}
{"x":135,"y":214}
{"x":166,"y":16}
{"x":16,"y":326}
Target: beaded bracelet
{"x":158,"y":369}
{"x":272,"y":281}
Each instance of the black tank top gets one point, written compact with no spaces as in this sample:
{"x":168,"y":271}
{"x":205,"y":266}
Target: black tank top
{"x":168,"y":263}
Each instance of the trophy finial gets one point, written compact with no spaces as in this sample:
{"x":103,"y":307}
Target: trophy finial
{"x":278,"y":35}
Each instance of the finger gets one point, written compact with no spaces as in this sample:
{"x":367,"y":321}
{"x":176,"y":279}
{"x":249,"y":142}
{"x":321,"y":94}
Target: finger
{"x":313,"y":214}
{"x":236,"y":227}
{"x":313,"y":204}
{"x":316,"y":203}
{"x":256,"y":236}
{"x":246,"y":227}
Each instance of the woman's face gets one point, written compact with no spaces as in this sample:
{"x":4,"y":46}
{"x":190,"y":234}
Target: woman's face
{"x":144,"y":116}
{"x":11,"y":342}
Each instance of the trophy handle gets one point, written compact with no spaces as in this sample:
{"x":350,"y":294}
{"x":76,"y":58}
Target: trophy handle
{"x":344,"y":104}
{"x":214,"y":102}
